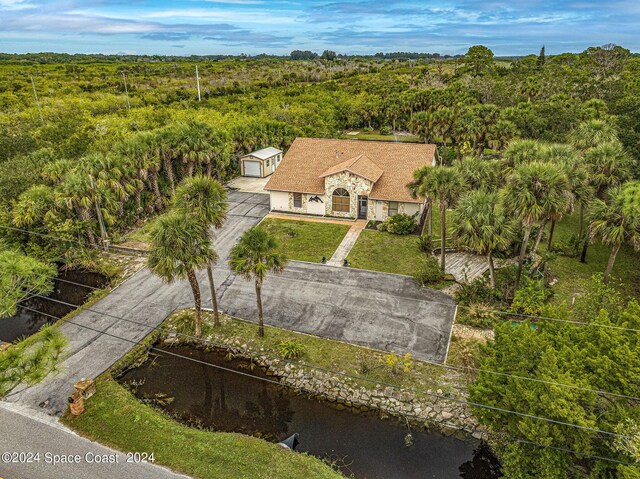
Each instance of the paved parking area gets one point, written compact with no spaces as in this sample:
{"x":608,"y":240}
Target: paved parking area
{"x":254,"y":205}
{"x":382,"y":311}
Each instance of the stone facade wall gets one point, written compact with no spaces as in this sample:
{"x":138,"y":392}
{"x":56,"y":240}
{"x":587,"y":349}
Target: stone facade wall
{"x":355,"y":185}
{"x":303,"y":209}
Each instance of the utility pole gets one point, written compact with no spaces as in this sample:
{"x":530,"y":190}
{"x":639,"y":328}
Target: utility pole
{"x":37,"y":101}
{"x":126,"y":90}
{"x":198,"y":83}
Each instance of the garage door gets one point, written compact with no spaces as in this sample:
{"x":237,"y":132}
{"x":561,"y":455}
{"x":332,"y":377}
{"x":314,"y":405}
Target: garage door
{"x":252,"y":168}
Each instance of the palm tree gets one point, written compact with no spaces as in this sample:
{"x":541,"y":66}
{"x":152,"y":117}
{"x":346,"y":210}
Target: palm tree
{"x":533,"y":191}
{"x":77,"y":193}
{"x":252,"y":258}
{"x":522,"y":151}
{"x":479,"y":174}
{"x":609,"y":165}
{"x":501,"y":134}
{"x":592,"y":133}
{"x":422,"y":124}
{"x":179,"y":247}
{"x":616,"y":221}
{"x":443,"y":122}
{"x":445,"y":184}
{"x":204,"y":199}
{"x":193,"y":145}
{"x":480,"y":226}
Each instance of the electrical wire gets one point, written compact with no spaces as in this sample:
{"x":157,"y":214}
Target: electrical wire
{"x":503,"y":313}
{"x":433,"y":363}
{"x":427,"y":393}
{"x":278,"y":383}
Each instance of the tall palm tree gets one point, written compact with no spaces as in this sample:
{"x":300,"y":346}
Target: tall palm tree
{"x":204,"y":199}
{"x":178,"y":248}
{"x":443,"y":122}
{"x":586,"y":136}
{"x":253,"y":257}
{"x":501,"y":134}
{"x":580,"y":189}
{"x":480,"y":226}
{"x":445,"y":184}
{"x":533,"y":191}
{"x":616,"y":221}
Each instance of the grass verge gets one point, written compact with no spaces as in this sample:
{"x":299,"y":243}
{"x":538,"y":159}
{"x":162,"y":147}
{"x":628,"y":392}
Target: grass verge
{"x":114,"y":417}
{"x":306,"y":240}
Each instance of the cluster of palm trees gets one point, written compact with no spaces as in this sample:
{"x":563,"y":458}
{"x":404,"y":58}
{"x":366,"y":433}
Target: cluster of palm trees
{"x":138,"y":176}
{"x":542,"y":182}
{"x":181,"y":244}
{"x":470,"y":128}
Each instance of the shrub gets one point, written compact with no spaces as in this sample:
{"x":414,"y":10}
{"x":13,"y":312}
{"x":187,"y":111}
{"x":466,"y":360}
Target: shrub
{"x":429,"y":273}
{"x":398,"y":364}
{"x":385,"y":130}
{"x":425,"y":244}
{"x":290,"y":349}
{"x":399,"y":224}
{"x":530,"y":298}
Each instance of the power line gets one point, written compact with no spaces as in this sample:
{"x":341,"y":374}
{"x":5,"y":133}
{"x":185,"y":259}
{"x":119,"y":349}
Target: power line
{"x":433,"y":363}
{"x":395,"y":386}
{"x":278,"y":383}
{"x":505,"y":313}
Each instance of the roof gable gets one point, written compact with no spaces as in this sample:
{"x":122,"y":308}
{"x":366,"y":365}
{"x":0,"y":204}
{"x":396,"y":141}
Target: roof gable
{"x":359,"y":165}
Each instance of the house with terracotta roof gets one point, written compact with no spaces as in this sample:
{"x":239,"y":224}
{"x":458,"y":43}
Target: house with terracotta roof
{"x":348,"y":178}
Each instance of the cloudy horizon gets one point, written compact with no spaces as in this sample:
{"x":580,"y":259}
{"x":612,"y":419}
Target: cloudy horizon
{"x":209,"y":27}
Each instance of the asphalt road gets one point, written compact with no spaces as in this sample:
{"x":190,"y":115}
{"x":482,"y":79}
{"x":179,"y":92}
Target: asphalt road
{"x":378,"y":310}
{"x":49,"y":443}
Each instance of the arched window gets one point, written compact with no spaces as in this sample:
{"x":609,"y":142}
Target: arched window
{"x":340,"y":200}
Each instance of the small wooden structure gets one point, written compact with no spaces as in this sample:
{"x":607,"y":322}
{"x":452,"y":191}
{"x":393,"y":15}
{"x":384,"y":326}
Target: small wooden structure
{"x":260,"y":163}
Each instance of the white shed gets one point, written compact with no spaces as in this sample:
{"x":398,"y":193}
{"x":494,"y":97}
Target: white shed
{"x":261,"y":163}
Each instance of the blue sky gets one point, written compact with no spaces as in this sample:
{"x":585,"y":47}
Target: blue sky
{"x":256,"y":26}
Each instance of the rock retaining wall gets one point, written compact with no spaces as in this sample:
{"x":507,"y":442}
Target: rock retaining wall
{"x":431,"y":410}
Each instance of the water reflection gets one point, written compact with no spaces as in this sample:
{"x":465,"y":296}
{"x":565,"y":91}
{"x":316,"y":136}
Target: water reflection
{"x":27,"y":322}
{"x":361,"y":444}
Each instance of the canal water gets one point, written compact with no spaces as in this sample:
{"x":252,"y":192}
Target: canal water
{"x":361,"y":445}
{"x":27,"y":322}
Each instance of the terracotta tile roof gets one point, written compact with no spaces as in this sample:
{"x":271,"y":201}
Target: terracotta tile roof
{"x":308,"y":161}
{"x":360,"y":165}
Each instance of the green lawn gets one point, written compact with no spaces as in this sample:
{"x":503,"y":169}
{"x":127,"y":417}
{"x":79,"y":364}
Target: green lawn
{"x":306,"y":240}
{"x":114,"y":417}
{"x":375,"y":135}
{"x":387,"y":252}
{"x":573,"y":276}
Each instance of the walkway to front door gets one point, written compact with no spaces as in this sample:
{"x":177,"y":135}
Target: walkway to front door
{"x":347,"y":243}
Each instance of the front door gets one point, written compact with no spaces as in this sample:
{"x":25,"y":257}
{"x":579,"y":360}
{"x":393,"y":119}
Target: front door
{"x":363,"y":202}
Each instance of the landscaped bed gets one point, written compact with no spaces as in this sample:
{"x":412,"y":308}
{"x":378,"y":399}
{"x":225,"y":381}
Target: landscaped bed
{"x":306,"y":240}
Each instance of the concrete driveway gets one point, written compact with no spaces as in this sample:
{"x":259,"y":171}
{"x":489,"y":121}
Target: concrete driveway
{"x":379,"y":310}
